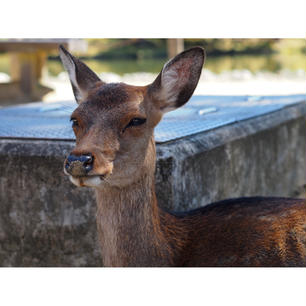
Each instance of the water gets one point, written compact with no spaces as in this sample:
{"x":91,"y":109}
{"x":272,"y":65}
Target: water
{"x":254,"y":63}
{"x":277,"y":74}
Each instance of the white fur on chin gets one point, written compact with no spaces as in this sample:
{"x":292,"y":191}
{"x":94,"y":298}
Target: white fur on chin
{"x":89,"y":181}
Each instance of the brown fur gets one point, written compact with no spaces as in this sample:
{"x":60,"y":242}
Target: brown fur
{"x":133,"y":230}
{"x":247,"y":232}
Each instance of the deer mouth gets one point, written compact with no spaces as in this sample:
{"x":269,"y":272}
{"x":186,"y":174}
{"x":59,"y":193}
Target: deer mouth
{"x":86,"y":180}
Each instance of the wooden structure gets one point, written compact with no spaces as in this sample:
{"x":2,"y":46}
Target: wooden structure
{"x":175,"y":46}
{"x":27,"y":62}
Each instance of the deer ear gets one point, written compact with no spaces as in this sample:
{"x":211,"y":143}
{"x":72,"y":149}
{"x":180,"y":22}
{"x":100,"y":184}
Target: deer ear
{"x":178,"y":79}
{"x":81,"y":77}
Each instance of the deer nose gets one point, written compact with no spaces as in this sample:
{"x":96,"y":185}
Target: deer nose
{"x":79,"y":165}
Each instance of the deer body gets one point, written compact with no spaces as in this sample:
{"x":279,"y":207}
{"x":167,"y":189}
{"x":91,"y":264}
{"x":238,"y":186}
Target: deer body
{"x":238,"y":232}
{"x":235,"y":233}
{"x":115,"y":154}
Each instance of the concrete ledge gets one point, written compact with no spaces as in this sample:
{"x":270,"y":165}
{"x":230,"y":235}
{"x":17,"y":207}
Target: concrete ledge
{"x":46,"y":221}
{"x":264,"y":156}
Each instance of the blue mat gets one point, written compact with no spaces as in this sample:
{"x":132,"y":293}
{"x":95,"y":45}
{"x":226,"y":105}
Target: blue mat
{"x":201,"y":113}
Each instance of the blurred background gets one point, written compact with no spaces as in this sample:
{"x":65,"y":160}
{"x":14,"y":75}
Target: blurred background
{"x":233,"y":66}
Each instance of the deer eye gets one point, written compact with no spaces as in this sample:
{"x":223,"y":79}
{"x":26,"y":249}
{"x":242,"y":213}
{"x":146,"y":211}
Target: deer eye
{"x":136,"y":122}
{"x":75,"y":122}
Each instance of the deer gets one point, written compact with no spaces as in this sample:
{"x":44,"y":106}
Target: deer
{"x":115,"y":154}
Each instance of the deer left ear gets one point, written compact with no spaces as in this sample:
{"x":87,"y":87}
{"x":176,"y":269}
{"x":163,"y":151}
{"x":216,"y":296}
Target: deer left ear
{"x":178,"y":79}
{"x":82,"y":78}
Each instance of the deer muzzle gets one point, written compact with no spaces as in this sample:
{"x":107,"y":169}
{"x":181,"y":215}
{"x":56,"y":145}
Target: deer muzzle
{"x":79,"y":166}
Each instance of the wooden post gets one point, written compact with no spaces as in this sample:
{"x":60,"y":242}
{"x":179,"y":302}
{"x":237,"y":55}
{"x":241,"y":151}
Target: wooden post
{"x":14,"y":67}
{"x":28,"y":58}
{"x":175,"y":46}
{"x":27,"y":69}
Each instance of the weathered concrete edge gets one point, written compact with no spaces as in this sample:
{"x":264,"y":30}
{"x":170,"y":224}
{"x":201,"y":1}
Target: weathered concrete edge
{"x":211,"y":139}
{"x":180,"y":154}
{"x":170,"y":155}
{"x":193,"y":144}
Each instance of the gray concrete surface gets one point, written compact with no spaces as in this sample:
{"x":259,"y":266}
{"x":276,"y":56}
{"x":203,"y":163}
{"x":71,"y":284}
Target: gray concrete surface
{"x":46,"y":221}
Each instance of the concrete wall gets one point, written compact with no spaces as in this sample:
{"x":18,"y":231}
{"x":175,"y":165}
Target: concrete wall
{"x":46,"y":221}
{"x":264,"y":156}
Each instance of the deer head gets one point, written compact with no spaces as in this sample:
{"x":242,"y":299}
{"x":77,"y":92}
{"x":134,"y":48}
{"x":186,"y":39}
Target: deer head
{"x":114,"y":123}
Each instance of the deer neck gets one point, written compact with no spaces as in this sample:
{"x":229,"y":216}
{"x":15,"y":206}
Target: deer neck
{"x":131,"y":226}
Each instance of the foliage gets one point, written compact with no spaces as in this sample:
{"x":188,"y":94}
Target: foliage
{"x":157,"y":48}
{"x":127,"y":48}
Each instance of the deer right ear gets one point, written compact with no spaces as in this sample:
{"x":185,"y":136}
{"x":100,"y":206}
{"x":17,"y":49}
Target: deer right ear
{"x":81,"y":77}
{"x":178,"y":79}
